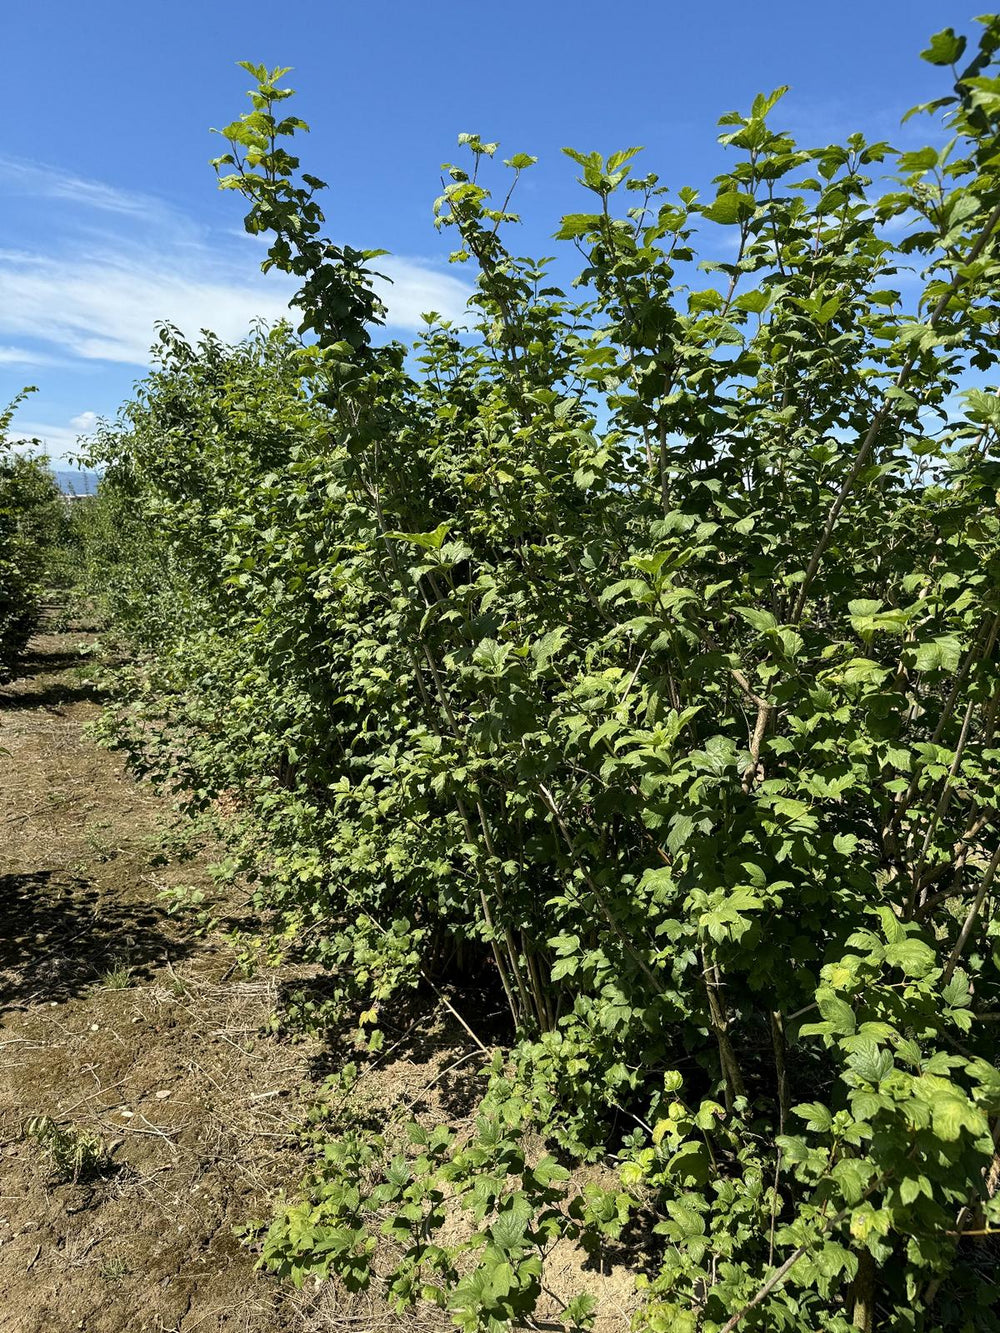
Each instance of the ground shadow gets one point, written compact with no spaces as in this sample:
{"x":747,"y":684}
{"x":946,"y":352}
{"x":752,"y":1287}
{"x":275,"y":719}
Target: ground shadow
{"x":52,"y":697}
{"x":60,"y":935}
{"x":438,"y":1061}
{"x":36,"y":661}
{"x":47,"y":680}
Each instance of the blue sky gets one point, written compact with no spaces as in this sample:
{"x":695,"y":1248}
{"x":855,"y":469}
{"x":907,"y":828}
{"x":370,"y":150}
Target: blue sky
{"x":111,"y":218}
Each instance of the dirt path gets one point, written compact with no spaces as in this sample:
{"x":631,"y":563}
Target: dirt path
{"x":119,"y":1026}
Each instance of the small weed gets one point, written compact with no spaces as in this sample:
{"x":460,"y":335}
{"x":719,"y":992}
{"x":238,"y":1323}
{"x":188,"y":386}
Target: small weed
{"x":100,"y":844}
{"x":114,"y":1269}
{"x":73,"y":1152}
{"x":117,"y":977}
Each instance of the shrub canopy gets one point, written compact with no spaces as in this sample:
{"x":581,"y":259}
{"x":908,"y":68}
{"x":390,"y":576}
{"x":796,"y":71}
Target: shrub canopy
{"x":633,"y":653}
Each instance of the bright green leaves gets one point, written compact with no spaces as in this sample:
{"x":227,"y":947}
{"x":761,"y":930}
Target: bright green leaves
{"x":337,"y":298}
{"x":764,"y":103}
{"x":942,"y":653}
{"x":730,"y":208}
{"x":429,"y":541}
{"x":945,"y":48}
{"x":817,"y":1116}
{"x":578,"y":224}
{"x":35,"y":532}
{"x":476,"y":145}
{"x":753,"y":302}
{"x":756,"y":618}
{"x":951,"y":1114}
{"x":838,"y":1017}
{"x":914,"y":957}
{"x":446,"y":1202}
{"x":600,"y":176}
{"x":868,"y":1062}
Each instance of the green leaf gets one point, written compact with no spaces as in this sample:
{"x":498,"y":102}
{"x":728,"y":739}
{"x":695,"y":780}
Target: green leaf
{"x":863,"y":607}
{"x":754,"y":303}
{"x":507,"y":1231}
{"x":548,"y":1170}
{"x":952,"y":1114}
{"x":690,"y":1165}
{"x":945,"y":48}
{"x":836,"y":1011}
{"x":731,"y":207}
{"x":431,"y":541}
{"x":577,"y":224}
{"x":759,"y":620}
{"x":817,"y":1116}
{"x":545,"y":648}
{"x":892,"y":928}
{"x":564,"y":967}
{"x":909,"y":1189}
{"x":914,"y":957}
{"x":681,"y":829}
{"x":851,"y":1179}
{"x":941,"y":654}
{"x":580,"y":1311}
{"x":869,"y":1062}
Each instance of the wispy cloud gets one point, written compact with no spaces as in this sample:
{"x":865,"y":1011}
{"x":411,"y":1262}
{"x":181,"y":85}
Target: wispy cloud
{"x":41,"y":180}
{"x":59,"y":440}
{"x":25,"y":356}
{"x":105,"y":307}
{"x":98,"y":299}
{"x":416,"y":287}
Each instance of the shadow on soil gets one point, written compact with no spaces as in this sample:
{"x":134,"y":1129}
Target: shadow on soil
{"x":60,"y":936}
{"x":56,"y":678}
{"x":420,"y":1033}
{"x":52,"y":698}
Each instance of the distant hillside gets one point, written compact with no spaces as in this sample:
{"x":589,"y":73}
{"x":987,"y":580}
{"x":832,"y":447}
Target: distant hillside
{"x":76,"y":481}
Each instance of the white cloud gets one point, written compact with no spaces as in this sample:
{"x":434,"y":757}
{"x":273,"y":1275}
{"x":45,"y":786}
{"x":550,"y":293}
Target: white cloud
{"x":105,"y":307}
{"x":417,"y":288}
{"x":43,"y":181}
{"x":94,"y":268}
{"x":58,"y":441}
{"x":23,"y":356}
{"x":99,"y":296}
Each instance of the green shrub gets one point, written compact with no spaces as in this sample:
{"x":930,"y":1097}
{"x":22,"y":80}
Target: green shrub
{"x":32,"y":517}
{"x":635,"y":655}
{"x":72,"y":1152}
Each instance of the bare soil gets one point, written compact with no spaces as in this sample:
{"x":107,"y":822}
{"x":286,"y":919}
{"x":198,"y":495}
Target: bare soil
{"x":119,"y":1025}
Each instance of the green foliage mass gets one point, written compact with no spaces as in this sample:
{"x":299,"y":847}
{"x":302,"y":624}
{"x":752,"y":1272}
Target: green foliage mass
{"x":34,"y":525}
{"x":635,"y":654}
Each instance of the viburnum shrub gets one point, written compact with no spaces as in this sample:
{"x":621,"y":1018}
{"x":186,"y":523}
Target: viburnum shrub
{"x":33,"y":518}
{"x":635,"y":651}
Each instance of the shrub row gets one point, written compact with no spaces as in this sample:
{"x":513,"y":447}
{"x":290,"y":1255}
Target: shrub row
{"x":32,"y":522}
{"x":633,"y":656}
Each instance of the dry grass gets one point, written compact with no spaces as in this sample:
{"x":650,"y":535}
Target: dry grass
{"x":118,"y":1026}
